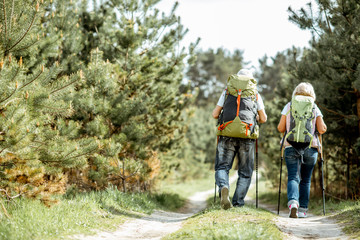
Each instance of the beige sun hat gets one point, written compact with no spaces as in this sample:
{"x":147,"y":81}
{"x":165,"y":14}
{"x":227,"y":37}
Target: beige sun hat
{"x":245,"y":72}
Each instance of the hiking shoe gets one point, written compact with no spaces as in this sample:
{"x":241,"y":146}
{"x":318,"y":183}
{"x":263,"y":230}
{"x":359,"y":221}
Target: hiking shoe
{"x":293,"y":210}
{"x":225,"y":200}
{"x":302,"y":213}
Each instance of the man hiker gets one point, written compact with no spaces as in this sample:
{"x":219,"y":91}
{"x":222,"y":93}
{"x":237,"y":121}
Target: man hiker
{"x":239,"y":109}
{"x":300,"y":119}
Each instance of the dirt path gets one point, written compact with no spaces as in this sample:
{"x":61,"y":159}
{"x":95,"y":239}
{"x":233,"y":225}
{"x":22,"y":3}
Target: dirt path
{"x":158,"y":224}
{"x":162,"y":223}
{"x":312,"y":227}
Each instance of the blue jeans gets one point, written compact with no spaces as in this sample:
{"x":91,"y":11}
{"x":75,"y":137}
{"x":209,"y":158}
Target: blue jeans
{"x":299,"y":174}
{"x":226,"y":151}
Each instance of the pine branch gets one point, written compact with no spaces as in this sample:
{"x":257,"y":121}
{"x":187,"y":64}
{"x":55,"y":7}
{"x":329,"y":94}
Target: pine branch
{"x":126,"y":58}
{"x":80,"y":155}
{"x":3,"y":149}
{"x":40,"y":145}
{"x":69,"y":153}
{"x":11,"y":15}
{"x":17,"y":71}
{"x":63,"y":87}
{"x":334,"y":112}
{"x":8,"y":96}
{"x":312,"y":22}
{"x":42,"y":70}
{"x":8,"y":195}
{"x":344,"y":13}
{"x":28,"y":46}
{"x":21,"y":38}
{"x":327,"y":21}
{"x":123,"y":177}
{"x":53,"y":108}
{"x":5,"y":25}
{"x":7,"y":165}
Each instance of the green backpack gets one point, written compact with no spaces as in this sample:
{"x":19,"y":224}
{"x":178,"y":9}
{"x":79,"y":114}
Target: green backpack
{"x":238,"y":116}
{"x":302,"y":114}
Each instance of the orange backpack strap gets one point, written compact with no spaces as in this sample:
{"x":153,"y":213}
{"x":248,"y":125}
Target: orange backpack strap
{"x":238,"y":102}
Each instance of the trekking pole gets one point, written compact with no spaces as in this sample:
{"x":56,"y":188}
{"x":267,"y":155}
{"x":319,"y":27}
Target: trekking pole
{"x":217,"y":142}
{"x":281,"y":161}
{"x":256,"y":168}
{"x":319,"y":139}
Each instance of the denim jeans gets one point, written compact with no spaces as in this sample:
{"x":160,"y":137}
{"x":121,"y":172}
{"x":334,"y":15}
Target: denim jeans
{"x":226,"y":151}
{"x":299,"y":174}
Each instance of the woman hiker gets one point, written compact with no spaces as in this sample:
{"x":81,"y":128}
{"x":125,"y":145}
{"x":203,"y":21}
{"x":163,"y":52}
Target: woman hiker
{"x":300,"y":167}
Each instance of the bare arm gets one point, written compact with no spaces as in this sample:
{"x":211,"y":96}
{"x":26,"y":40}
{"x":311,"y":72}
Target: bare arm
{"x":282,"y":124}
{"x":320,"y":125}
{"x":262,"y":116}
{"x":216,"y":112}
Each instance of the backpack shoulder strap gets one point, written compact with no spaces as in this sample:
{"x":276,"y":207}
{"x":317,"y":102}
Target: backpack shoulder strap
{"x":287,"y":113}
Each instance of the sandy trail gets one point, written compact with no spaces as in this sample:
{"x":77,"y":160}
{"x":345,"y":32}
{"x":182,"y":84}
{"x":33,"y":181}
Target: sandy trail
{"x":162,"y":223}
{"x":312,"y":227}
{"x":158,"y":224}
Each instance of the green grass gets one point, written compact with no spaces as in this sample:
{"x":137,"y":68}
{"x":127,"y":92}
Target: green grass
{"x":347,"y":213}
{"x":79,"y":213}
{"x":188,"y":188}
{"x":235,"y":223}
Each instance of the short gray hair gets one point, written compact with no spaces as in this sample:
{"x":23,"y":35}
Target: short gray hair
{"x":305,"y":89}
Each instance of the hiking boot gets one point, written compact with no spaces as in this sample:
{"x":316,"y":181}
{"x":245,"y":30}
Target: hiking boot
{"x":302,"y":213}
{"x":293,"y":210}
{"x":225,"y":200}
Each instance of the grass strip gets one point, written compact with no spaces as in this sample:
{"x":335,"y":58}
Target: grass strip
{"x":188,"y":188}
{"x":348,"y":215}
{"x":235,"y":223}
{"x":79,"y":213}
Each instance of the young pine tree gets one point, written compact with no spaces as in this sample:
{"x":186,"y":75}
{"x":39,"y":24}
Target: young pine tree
{"x":143,"y":63}
{"x":34,"y":146}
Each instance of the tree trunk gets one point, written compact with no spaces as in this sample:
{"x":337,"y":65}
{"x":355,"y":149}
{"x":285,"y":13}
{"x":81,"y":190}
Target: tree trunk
{"x":123,"y":176}
{"x":358,"y":109}
{"x":345,"y":185}
{"x":123,"y":183}
{"x":348,"y":165}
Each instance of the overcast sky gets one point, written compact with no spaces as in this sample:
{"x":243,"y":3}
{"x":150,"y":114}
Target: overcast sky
{"x":257,"y":27}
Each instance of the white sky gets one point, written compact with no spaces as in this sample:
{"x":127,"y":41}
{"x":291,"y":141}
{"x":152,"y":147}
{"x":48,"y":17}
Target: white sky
{"x":257,"y":27}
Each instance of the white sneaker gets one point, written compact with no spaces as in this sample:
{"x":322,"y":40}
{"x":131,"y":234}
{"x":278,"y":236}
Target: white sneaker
{"x":302,"y":213}
{"x":293,"y":210}
{"x":225,"y":200}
